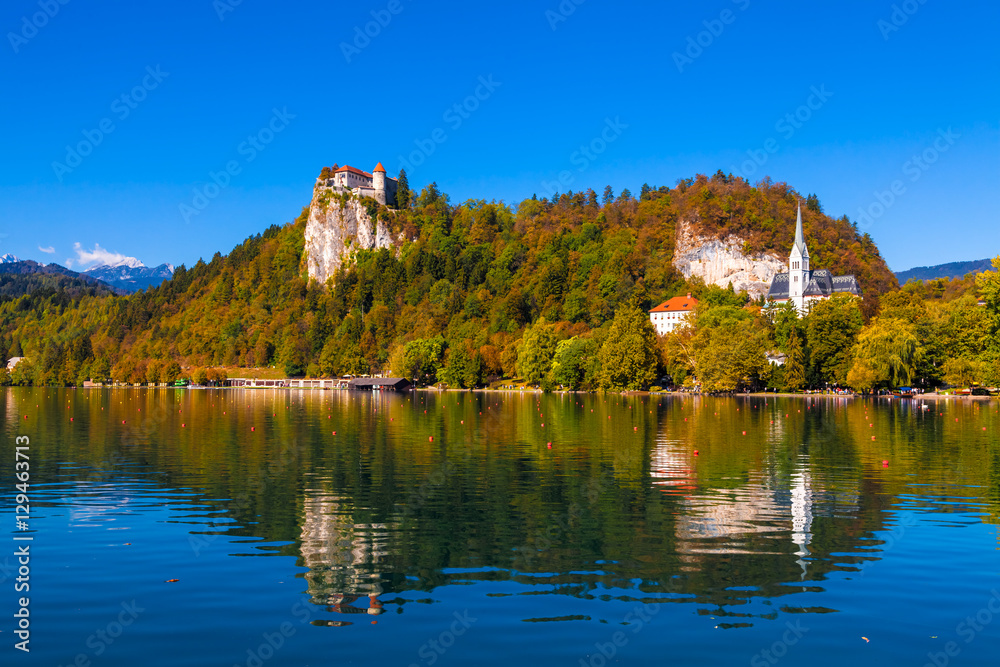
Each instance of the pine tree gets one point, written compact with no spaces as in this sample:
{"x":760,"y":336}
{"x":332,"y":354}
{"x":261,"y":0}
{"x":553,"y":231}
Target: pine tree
{"x":402,"y":191}
{"x":15,"y":349}
{"x":609,"y":195}
{"x":795,"y":369}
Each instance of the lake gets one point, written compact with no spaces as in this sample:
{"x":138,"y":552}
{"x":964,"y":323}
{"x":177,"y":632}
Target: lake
{"x":269,"y":527}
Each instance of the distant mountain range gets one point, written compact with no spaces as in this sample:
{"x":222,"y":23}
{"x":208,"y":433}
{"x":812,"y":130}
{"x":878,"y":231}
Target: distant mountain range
{"x":124,"y":277}
{"x":131,"y":275}
{"x":17,"y":267}
{"x":952,"y":270}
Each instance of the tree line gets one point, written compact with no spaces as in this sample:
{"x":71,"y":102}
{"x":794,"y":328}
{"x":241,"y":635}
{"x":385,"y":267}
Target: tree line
{"x":552,"y":290}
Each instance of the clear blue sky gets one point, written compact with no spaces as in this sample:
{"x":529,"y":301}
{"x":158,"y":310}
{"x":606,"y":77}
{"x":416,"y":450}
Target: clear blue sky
{"x":556,"y":83}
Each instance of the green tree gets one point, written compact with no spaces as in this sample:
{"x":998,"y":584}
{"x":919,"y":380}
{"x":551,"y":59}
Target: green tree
{"x":571,"y":360}
{"x":795,"y":370}
{"x":988,"y":283}
{"x":731,"y":356}
{"x":534,"y":356}
{"x":962,"y":372}
{"x":421,"y":359}
{"x":171,"y":372}
{"x":101,"y":369}
{"x":290,"y":357}
{"x":786,"y":322}
{"x":609,"y":195}
{"x":887,"y":353}
{"x":402,"y":191}
{"x":154,"y":371}
{"x":463,"y":368}
{"x":628,"y":358}
{"x":832,"y":327}
{"x":199,"y":376}
{"x":15,"y":349}
{"x":23,"y":374}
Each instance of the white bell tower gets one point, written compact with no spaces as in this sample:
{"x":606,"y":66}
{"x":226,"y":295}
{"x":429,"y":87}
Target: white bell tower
{"x":798,"y":266}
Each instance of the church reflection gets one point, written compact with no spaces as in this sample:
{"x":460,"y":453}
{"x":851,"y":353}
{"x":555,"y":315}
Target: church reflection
{"x":772,"y":513}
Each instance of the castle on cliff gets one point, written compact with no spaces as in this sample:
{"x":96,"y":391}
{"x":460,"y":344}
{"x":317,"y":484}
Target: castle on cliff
{"x":375,"y":185}
{"x":803,"y":286}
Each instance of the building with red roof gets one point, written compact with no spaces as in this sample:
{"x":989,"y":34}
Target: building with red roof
{"x":672,"y":313}
{"x":376,"y":184}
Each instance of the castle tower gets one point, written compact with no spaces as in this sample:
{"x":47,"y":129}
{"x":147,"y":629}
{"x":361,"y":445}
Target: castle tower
{"x":378,"y":182}
{"x":798,"y":266}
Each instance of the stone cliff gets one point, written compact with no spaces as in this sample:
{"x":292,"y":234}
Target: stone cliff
{"x":338,"y":226}
{"x":721,"y":262}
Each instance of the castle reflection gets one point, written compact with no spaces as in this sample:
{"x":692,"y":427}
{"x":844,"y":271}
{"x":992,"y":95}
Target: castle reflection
{"x":344,"y":557}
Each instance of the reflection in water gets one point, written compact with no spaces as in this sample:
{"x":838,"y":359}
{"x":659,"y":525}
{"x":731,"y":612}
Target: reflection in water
{"x":344,"y":557}
{"x":671,"y":467}
{"x":721,"y":522}
{"x":802,"y":513}
{"x":433,"y":502}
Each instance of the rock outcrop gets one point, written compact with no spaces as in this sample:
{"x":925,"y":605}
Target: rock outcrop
{"x":336,"y":228}
{"x":723,"y":262}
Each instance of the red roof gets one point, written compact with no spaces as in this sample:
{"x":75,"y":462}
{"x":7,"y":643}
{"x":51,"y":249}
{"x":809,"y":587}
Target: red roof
{"x":379,"y":167}
{"x":353,"y":170}
{"x":677,"y":304}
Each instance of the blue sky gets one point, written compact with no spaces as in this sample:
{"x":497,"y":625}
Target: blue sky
{"x":883,"y":96}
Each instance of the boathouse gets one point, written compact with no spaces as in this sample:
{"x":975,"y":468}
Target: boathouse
{"x":379,"y":384}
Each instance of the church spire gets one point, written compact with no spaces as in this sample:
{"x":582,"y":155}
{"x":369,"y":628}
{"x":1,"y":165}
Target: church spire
{"x":800,"y":243}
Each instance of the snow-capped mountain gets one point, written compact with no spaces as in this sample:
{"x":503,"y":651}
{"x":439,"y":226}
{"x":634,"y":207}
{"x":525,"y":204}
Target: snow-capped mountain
{"x":127,"y":262}
{"x":131,"y":274}
{"x":8,"y":259}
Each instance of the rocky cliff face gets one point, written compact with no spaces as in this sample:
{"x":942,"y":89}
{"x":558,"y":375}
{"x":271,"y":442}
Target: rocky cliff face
{"x":336,"y":229}
{"x":721,"y":262}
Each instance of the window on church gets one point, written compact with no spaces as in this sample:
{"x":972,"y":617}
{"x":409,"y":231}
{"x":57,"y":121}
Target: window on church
{"x":796,"y":279}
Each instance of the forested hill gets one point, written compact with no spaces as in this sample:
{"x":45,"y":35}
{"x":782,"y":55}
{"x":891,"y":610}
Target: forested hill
{"x":467,"y":280}
{"x":953,"y":270}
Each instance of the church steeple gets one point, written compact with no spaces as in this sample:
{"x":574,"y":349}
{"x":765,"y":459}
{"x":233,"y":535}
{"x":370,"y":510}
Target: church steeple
{"x":798,"y":266}
{"x":800,"y":243}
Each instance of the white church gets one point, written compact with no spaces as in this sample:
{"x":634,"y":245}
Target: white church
{"x":803,"y":286}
